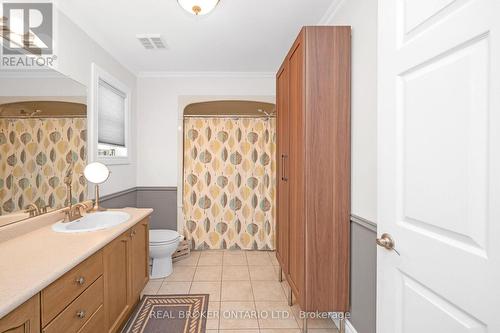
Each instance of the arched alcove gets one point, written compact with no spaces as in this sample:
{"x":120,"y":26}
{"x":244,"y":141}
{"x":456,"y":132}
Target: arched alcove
{"x":229,"y":174}
{"x":230,"y":108}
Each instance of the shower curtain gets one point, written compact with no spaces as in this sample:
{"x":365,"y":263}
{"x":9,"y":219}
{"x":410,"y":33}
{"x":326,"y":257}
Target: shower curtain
{"x":34,"y":156}
{"x":229,"y":182}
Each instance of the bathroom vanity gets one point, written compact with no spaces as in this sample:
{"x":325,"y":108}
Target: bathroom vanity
{"x":72,"y":282}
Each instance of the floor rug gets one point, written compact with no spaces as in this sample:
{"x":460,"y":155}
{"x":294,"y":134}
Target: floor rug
{"x":169,"y":314}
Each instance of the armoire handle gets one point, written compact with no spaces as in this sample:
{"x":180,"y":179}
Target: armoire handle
{"x":283,"y":168}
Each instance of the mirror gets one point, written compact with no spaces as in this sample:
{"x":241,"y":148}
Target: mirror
{"x":43,"y":139}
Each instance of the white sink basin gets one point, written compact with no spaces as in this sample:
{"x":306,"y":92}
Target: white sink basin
{"x":92,"y":222}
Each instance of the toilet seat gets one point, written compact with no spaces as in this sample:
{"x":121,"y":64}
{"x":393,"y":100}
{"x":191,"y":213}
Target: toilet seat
{"x":163,"y":237}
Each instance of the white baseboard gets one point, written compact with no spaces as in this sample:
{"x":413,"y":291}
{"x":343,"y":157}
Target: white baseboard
{"x":348,"y":326}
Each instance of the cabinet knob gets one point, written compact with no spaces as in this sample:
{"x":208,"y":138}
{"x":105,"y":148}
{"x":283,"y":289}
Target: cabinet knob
{"x":80,"y":314}
{"x":132,"y":233}
{"x":80,"y":280}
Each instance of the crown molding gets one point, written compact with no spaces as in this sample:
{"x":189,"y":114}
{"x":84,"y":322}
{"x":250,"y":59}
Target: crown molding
{"x":330,"y":12}
{"x":251,"y":75}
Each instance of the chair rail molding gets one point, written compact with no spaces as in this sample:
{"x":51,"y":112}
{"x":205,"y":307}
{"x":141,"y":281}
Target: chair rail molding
{"x":364,"y":222}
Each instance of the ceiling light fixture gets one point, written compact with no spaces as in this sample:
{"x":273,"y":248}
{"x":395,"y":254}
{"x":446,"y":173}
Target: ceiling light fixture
{"x":198,"y":7}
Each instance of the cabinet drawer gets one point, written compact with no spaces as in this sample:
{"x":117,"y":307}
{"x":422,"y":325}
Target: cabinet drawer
{"x":96,"y":323}
{"x":63,"y":291}
{"x":76,"y":315}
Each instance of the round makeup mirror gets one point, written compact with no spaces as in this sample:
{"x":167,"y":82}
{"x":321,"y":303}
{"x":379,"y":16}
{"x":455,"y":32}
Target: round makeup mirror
{"x":96,"y":173}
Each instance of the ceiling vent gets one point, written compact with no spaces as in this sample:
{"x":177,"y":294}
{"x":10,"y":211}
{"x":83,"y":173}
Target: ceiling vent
{"x":152,"y":42}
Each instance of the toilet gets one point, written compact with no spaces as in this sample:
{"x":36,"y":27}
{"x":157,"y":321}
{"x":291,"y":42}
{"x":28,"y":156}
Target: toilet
{"x":162,"y":244}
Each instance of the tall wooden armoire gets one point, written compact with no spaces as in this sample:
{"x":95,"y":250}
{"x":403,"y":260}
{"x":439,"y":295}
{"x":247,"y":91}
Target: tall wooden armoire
{"x":313,"y":190}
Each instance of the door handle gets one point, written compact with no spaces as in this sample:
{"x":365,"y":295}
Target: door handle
{"x":387,"y":242}
{"x":283,"y":168}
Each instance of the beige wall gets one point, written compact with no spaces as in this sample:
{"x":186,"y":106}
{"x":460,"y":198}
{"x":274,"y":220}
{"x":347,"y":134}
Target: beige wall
{"x":159,"y":100}
{"x":76,"y":51}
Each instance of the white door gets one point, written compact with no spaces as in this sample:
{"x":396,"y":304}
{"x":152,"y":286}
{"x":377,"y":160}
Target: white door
{"x":439,"y":166}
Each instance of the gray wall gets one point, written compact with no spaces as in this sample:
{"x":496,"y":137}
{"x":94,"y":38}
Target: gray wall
{"x":363,"y":275}
{"x":164,"y":202}
{"x":127,"y":198}
{"x":162,"y":199}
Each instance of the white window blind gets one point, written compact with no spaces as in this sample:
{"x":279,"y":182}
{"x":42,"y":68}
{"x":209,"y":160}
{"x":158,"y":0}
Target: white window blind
{"x":111,"y":120}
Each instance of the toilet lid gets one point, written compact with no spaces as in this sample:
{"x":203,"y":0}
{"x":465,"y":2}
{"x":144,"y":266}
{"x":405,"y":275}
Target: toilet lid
{"x":163,"y":236}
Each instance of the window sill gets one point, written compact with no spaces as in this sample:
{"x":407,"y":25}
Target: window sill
{"x":114,"y":160}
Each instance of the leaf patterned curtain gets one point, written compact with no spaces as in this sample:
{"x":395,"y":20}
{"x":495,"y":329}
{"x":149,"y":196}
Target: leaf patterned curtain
{"x":34,"y":155}
{"x":229,"y":182}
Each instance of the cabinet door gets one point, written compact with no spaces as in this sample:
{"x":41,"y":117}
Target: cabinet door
{"x":24,"y":319}
{"x":296,"y":173}
{"x":140,"y":258}
{"x":117,"y":287}
{"x":282,"y":112}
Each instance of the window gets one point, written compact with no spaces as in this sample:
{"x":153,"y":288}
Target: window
{"x":110,"y":119}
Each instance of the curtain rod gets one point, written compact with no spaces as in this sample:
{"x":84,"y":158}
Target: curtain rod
{"x":228,"y":116}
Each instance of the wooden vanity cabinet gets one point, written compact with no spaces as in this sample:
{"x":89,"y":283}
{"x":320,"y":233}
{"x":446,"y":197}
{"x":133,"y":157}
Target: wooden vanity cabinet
{"x":96,"y":296}
{"x":96,"y":323}
{"x":126,"y":272}
{"x":75,"y":316}
{"x":24,"y":319}
{"x":140,"y":258}
{"x":313,"y":192}
{"x":58,"y":295}
{"x":118,"y":281}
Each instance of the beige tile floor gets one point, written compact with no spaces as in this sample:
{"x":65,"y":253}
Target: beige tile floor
{"x":245,"y":281}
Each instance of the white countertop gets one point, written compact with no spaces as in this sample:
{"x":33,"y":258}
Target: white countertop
{"x":31,"y":259}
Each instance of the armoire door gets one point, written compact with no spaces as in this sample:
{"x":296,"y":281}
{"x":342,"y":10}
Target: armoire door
{"x":296,"y":170}
{"x":282,"y":229}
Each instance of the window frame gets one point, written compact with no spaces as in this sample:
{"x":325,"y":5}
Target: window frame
{"x":98,"y":74}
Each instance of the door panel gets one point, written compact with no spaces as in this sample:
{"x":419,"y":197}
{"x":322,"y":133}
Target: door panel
{"x":439,"y":166}
{"x":296,"y":166}
{"x":432,"y":309}
{"x":24,"y":319}
{"x":452,"y":160}
{"x":140,"y":258}
{"x":283,"y":131}
{"x":419,"y":14}
{"x":117,"y":286}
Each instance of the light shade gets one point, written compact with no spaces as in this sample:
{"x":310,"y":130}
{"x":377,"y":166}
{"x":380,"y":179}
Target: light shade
{"x":96,"y":173}
{"x":198,"y":7}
